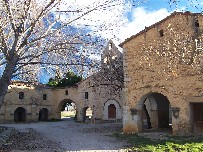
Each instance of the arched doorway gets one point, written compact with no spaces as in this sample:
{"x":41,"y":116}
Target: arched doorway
{"x":20,"y":115}
{"x":87,"y":114}
{"x":67,"y":109}
{"x":43,"y":114}
{"x":155,"y":112}
{"x":111,"y":111}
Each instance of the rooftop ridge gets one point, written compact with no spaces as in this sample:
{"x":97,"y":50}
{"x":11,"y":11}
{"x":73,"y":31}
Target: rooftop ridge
{"x":151,"y":26}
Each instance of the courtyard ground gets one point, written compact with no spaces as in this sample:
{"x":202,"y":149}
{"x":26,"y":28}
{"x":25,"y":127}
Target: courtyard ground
{"x":64,"y":136}
{"x":69,"y":135}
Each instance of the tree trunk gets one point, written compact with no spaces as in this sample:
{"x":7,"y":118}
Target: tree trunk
{"x":5,"y":80}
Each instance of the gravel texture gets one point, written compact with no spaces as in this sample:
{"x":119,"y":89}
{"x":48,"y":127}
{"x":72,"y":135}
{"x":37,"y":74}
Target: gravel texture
{"x":29,"y":140}
{"x":64,"y":136}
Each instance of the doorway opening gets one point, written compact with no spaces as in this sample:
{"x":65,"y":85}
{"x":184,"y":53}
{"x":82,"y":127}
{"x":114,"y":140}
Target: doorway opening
{"x":20,"y":115}
{"x":67,"y":109}
{"x":43,"y":114}
{"x":156,"y":115}
{"x":196,"y":117}
{"x":112,"y":111}
{"x":87,"y":114}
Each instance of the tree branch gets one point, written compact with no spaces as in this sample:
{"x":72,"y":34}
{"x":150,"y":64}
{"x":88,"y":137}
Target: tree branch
{"x":49,"y":63}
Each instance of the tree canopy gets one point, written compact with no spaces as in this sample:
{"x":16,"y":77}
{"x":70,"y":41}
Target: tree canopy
{"x":69,"y":80}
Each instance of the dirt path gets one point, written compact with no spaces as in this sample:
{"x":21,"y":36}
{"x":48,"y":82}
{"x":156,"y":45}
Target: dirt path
{"x":72,"y":136}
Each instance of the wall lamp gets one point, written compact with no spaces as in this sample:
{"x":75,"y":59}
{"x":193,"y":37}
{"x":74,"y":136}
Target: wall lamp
{"x":175,"y":111}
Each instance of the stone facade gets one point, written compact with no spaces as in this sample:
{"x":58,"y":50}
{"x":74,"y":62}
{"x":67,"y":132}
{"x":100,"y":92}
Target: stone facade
{"x":162,"y":86}
{"x":27,"y":102}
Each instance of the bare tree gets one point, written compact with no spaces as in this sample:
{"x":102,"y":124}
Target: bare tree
{"x":34,"y":36}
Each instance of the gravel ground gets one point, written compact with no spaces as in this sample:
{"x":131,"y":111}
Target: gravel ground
{"x":29,"y":140}
{"x":64,"y":136}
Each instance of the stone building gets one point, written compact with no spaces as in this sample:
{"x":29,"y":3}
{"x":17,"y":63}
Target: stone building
{"x":163,"y":76}
{"x":30,"y":102}
{"x":101,"y":92}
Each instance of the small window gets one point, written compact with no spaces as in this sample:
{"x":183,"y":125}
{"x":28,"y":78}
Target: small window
{"x":86,"y":95}
{"x":106,"y":60}
{"x":196,"y":26}
{"x":44,"y":96}
{"x":66,"y":92}
{"x":110,"y":46}
{"x":114,"y":57}
{"x":21,"y":95}
{"x":161,"y":33}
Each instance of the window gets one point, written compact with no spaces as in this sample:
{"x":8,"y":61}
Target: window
{"x":110,"y":46}
{"x":196,"y":23}
{"x":105,"y":60}
{"x":44,"y":96}
{"x":86,"y":95}
{"x":114,"y":57}
{"x":21,"y":95}
{"x":161,"y":33}
{"x":196,"y":26}
{"x":66,"y":92}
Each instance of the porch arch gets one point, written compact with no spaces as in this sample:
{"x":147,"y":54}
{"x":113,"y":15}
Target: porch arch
{"x":154,"y":112}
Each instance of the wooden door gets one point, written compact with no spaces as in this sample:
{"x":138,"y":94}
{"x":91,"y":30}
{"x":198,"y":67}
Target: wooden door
{"x":198,"y":117}
{"x":112,"y":111}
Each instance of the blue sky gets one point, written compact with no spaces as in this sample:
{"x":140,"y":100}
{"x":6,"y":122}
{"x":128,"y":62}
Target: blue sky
{"x":126,"y":20}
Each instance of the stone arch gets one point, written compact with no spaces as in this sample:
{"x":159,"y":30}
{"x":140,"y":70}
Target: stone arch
{"x":20,"y":115}
{"x":61,"y":106}
{"x":43,"y":114}
{"x":154,"y":111}
{"x":112,"y":110}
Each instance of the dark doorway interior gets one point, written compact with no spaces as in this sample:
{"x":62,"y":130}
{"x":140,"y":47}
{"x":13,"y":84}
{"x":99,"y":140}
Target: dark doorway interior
{"x":112,"y":111}
{"x":43,"y":114}
{"x":20,"y":115}
{"x":163,"y":110}
{"x":148,"y":126}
